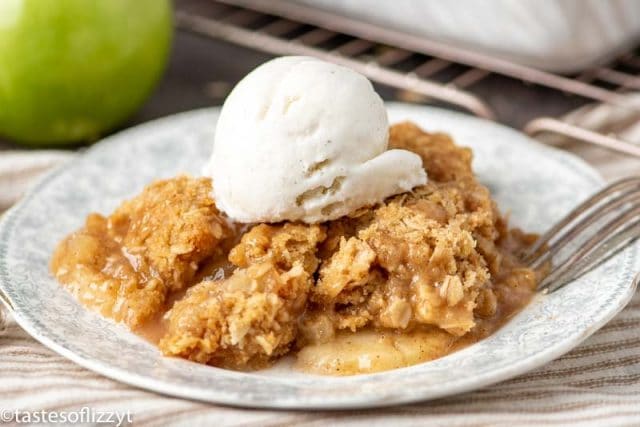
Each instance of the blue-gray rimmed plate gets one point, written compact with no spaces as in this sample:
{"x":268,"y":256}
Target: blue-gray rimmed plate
{"x":535,"y":183}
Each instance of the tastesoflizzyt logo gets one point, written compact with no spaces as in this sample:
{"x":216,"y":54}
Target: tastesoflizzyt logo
{"x":82,"y":416}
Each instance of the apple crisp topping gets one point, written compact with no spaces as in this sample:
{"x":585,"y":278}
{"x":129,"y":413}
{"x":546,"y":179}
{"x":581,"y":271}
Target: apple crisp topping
{"x":251,"y":316}
{"x":124,"y":265}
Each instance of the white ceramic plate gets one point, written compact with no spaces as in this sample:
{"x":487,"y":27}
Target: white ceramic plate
{"x":535,"y":183}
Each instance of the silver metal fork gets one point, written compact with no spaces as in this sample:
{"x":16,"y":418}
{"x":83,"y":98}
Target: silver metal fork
{"x":589,"y":235}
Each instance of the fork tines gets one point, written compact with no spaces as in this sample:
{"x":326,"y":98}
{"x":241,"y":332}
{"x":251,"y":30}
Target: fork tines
{"x":590,"y":234}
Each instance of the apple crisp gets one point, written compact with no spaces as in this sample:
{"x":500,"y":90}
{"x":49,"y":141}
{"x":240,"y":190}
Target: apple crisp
{"x":125,"y":265}
{"x":251,"y":316}
{"x":411,"y":279}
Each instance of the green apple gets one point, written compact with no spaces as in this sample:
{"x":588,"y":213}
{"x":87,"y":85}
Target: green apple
{"x":70,"y":70}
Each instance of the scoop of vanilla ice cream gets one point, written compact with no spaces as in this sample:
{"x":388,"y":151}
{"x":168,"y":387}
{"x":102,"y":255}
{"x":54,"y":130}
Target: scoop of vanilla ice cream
{"x":303,"y":139}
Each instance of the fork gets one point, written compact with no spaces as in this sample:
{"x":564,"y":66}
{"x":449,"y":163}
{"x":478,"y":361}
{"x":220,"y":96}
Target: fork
{"x":600,"y":227}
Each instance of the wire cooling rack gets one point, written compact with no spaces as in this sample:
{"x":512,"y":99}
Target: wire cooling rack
{"x":434,"y":71}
